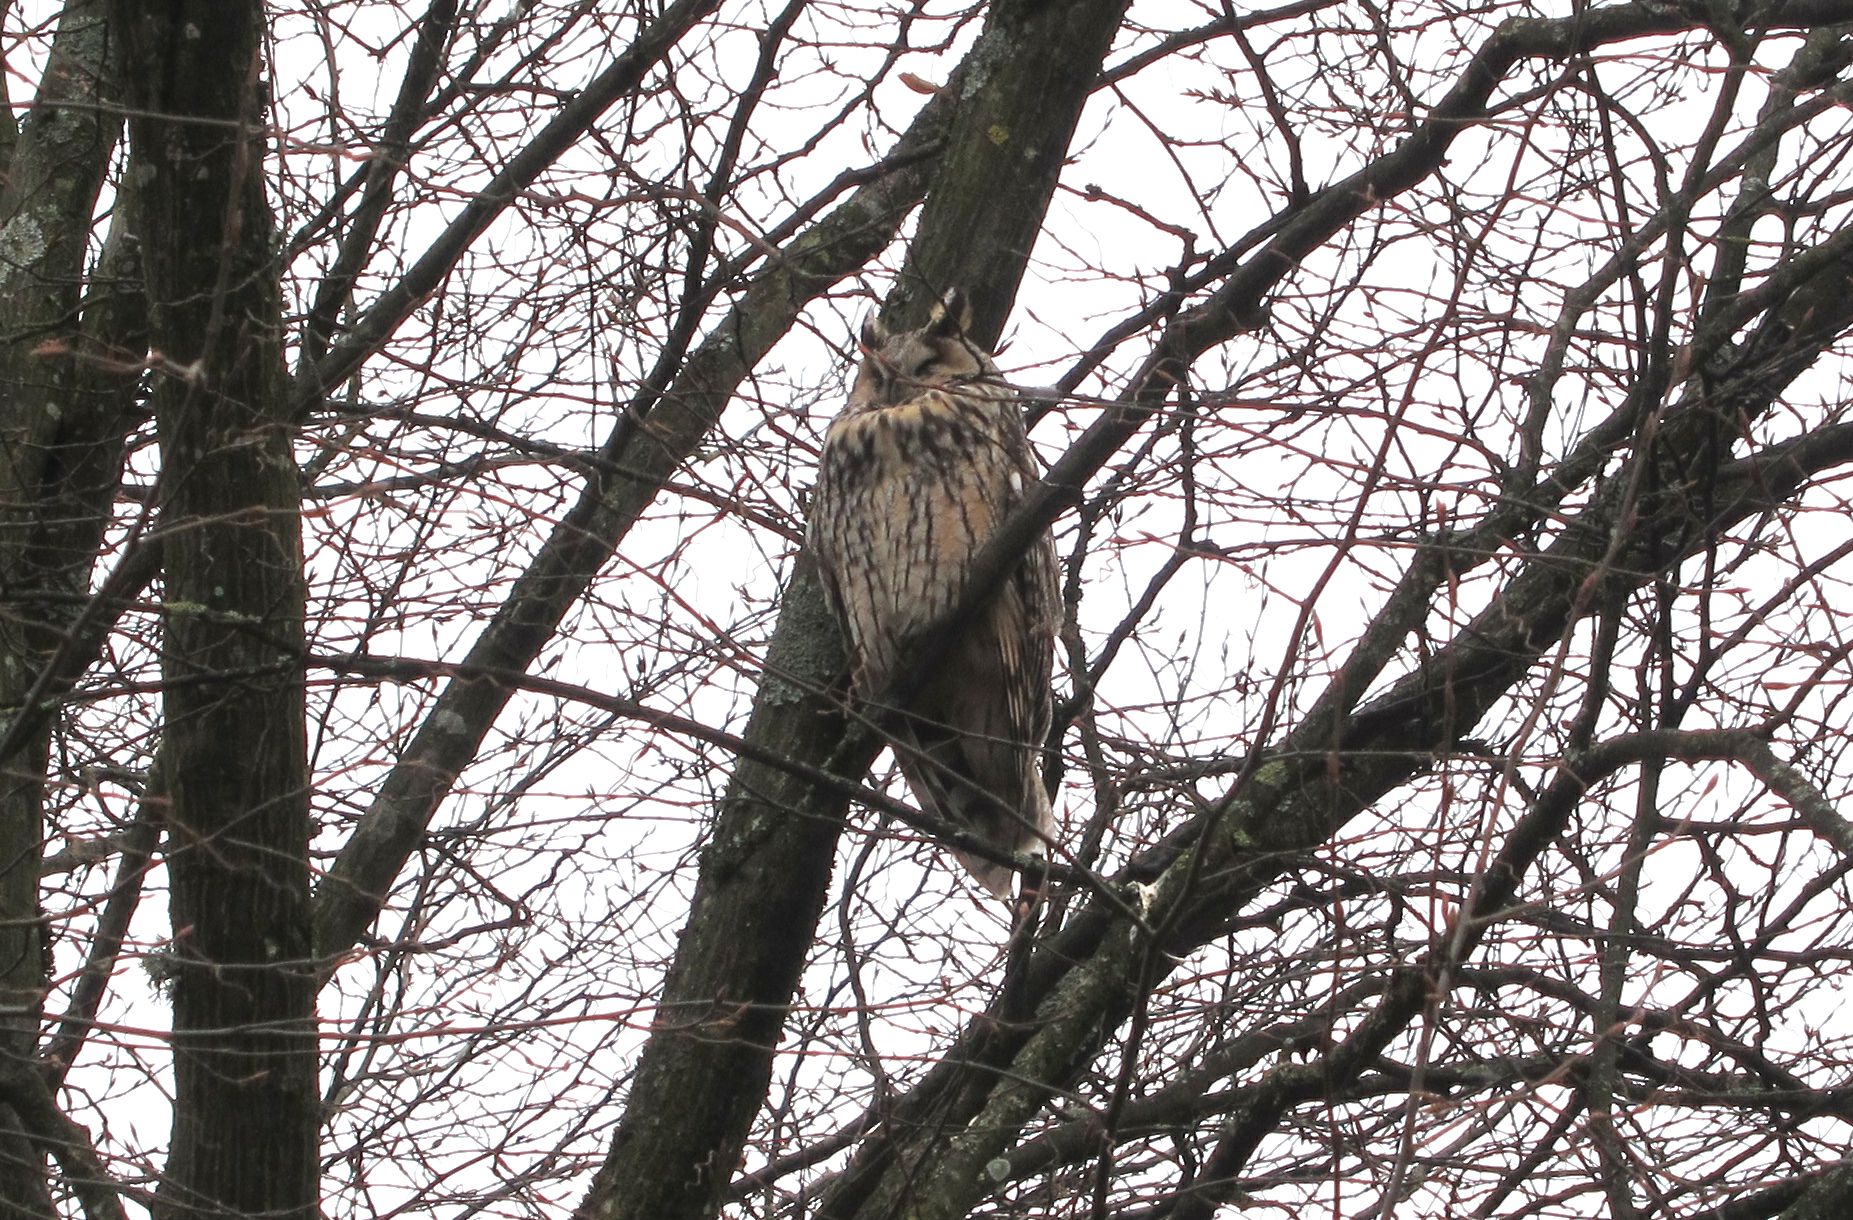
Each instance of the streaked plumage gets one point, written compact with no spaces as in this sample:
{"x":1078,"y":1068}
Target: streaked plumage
{"x":926,"y":459}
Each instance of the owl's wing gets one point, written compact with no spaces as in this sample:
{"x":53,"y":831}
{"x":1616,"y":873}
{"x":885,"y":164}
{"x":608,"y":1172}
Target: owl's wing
{"x":972,"y":745}
{"x":820,"y":538}
{"x":904,"y":502}
{"x":979,"y":728}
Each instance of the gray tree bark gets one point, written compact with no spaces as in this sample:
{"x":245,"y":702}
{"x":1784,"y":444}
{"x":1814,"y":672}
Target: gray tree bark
{"x":60,"y":450}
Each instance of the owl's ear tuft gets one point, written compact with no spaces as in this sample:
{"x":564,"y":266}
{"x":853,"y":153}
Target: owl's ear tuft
{"x":874,"y":334}
{"x":952,"y":314}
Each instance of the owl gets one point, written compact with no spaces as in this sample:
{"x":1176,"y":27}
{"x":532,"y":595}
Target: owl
{"x":922,"y":465}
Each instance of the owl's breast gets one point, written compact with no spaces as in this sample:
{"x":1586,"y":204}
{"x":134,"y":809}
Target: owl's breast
{"x":936,"y":459}
{"x":913,"y":492}
{"x":934,"y":433}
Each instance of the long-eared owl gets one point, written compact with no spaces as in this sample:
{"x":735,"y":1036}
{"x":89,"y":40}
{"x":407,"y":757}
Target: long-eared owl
{"x":922,"y":465}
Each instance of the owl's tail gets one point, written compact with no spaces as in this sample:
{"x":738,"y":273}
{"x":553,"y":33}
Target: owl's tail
{"x":994,"y":789}
{"x":990,"y":788}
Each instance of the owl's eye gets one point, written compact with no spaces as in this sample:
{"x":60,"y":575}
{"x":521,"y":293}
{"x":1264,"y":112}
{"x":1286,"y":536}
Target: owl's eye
{"x":921,"y":368}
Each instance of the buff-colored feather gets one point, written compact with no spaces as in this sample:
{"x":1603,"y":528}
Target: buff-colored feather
{"x":918,"y":470}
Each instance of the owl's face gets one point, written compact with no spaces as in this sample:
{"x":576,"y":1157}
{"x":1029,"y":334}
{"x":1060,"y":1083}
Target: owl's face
{"x":897,"y":367}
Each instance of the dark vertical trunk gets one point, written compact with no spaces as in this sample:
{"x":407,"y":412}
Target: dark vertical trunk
{"x":55,"y":162}
{"x":245,"y":1107}
{"x":703,"y":1075}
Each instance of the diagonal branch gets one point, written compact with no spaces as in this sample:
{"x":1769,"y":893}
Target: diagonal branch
{"x":703,"y":1074}
{"x":629,"y":472}
{"x":1321,"y":775}
{"x":66,"y":1140}
{"x":423,"y":277}
{"x":1301,"y":796}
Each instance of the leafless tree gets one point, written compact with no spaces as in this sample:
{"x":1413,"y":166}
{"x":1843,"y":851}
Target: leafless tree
{"x":427,"y":780}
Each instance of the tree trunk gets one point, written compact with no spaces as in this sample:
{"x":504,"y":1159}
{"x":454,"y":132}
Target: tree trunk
{"x":50,"y":514}
{"x":244,"y":1136}
{"x":704,"y":1074}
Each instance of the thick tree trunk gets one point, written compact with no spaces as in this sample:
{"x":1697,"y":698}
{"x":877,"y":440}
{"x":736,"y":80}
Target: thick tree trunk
{"x":764,"y":877}
{"x":244,"y":1137}
{"x":50,"y":512}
